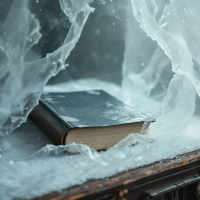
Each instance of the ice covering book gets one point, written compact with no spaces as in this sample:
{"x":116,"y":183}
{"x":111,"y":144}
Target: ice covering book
{"x":94,"y":118}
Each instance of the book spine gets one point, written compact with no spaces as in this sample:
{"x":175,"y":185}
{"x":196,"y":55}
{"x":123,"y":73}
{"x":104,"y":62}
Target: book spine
{"x":50,"y":123}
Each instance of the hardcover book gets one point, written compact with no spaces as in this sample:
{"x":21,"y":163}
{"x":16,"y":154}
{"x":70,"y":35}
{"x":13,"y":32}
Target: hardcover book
{"x":94,"y":118}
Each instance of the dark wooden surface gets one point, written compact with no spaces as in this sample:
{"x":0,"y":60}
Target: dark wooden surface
{"x":137,"y":181}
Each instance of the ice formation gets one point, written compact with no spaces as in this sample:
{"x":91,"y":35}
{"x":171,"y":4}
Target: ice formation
{"x":44,"y":168}
{"x":172,"y":36}
{"x":160,"y":77}
{"x":22,"y":82}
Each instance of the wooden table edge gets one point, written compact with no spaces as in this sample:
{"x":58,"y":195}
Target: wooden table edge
{"x":123,"y":179}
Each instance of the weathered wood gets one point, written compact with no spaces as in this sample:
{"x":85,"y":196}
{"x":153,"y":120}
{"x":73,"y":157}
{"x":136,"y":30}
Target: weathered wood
{"x":136,"y":181}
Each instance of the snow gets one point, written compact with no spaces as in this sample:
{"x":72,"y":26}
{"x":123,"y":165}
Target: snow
{"x":32,"y":166}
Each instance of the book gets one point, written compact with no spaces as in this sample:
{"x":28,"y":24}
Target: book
{"x":94,"y":118}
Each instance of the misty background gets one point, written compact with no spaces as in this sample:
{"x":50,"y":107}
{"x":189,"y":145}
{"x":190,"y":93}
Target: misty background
{"x":99,"y":51}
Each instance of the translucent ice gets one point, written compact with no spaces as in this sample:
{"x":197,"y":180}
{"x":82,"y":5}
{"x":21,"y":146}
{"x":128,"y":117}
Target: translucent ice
{"x":21,"y":83}
{"x":167,"y":26}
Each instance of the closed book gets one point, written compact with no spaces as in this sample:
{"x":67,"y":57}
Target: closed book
{"x":94,"y":118}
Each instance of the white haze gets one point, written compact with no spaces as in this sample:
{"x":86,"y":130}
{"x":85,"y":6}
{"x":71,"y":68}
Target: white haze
{"x":163,"y":82}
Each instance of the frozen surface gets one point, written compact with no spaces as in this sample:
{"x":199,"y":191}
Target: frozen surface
{"x":27,"y":154}
{"x":160,"y":78}
{"x":21,"y":171}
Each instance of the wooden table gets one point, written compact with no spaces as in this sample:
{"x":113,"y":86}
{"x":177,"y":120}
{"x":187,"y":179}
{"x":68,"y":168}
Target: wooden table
{"x":134,"y":183}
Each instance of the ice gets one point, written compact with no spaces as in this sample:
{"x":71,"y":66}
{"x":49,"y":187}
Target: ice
{"x":22,"y":82}
{"x":72,"y":119}
{"x":42,"y":169}
{"x":160,"y":78}
{"x":85,"y":84}
{"x":178,"y":43}
{"x":143,"y":67}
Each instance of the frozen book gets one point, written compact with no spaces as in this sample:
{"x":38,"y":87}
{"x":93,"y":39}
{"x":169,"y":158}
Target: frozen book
{"x":94,"y":118}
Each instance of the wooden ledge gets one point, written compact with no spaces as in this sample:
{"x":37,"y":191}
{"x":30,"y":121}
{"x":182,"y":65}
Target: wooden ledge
{"x":136,"y":180}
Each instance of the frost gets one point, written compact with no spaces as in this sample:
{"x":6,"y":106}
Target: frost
{"x":93,"y":92}
{"x":59,"y":170}
{"x":85,"y":84}
{"x":72,"y":119}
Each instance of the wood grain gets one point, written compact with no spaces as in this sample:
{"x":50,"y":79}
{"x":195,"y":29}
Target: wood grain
{"x":132,"y":178}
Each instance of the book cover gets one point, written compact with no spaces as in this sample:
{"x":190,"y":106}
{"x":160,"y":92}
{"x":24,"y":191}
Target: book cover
{"x":59,"y":113}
